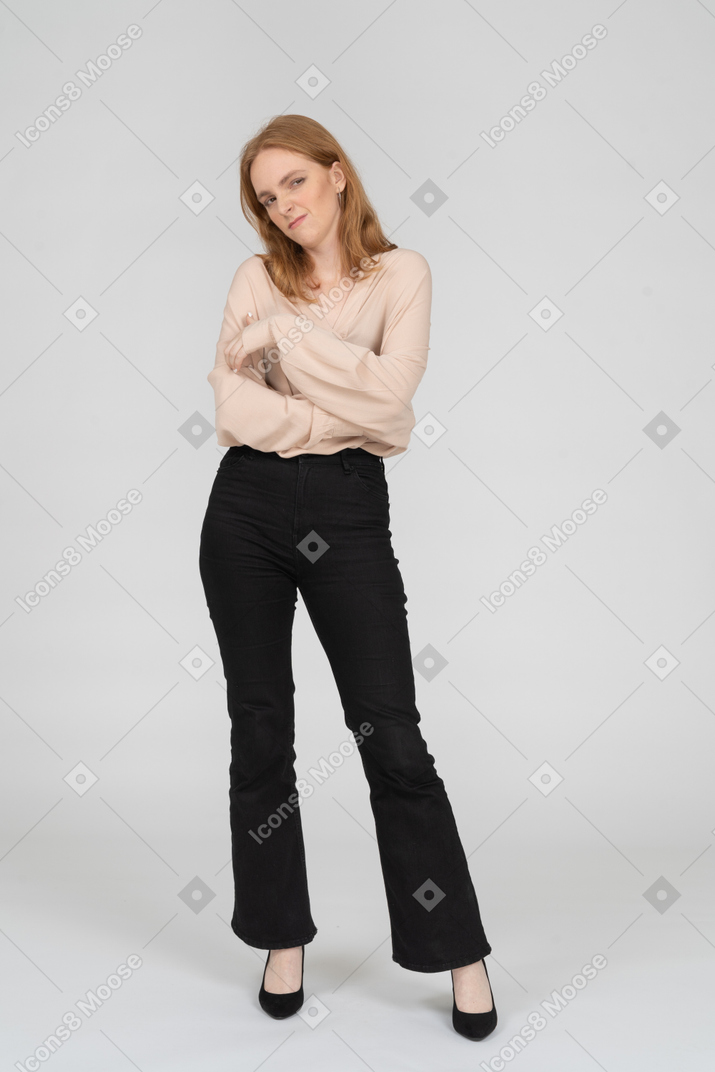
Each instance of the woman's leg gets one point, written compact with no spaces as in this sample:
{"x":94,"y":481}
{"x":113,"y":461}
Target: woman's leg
{"x":245,"y":562}
{"x":354,"y":594}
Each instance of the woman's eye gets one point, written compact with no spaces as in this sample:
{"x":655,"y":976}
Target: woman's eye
{"x":268,"y":201}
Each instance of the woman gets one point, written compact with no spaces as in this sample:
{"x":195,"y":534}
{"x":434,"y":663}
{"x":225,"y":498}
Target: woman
{"x":323,"y":343}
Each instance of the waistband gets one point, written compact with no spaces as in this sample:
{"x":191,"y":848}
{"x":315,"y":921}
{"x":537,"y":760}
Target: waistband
{"x":338,"y":457}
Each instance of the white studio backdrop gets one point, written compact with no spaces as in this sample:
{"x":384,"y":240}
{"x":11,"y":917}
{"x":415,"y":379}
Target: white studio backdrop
{"x":560,"y":187}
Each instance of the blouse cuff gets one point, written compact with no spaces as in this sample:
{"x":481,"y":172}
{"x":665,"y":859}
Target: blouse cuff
{"x":258,"y":335}
{"x":345,"y":428}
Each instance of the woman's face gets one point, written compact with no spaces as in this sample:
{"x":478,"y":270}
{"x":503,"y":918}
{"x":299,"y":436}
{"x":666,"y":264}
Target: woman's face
{"x":296,"y":191}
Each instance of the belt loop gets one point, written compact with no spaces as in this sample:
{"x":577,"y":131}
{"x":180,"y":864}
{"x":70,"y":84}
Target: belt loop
{"x":344,"y":460}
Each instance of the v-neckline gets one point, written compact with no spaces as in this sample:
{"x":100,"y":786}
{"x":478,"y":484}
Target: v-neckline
{"x":300,"y":305}
{"x":330,"y":316}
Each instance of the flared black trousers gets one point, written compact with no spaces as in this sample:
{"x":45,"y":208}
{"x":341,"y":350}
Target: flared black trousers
{"x":319,"y":524}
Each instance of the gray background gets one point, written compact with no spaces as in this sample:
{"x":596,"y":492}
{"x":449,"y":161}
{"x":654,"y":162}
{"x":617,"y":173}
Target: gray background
{"x":518,"y":421}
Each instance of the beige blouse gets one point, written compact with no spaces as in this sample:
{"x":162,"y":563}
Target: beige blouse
{"x":319,"y":378}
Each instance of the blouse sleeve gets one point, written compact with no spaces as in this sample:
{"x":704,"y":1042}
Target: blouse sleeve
{"x":249,"y":410}
{"x":374,"y":391}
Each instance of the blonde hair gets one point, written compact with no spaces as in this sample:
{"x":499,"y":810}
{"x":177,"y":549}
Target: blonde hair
{"x":359,"y":231}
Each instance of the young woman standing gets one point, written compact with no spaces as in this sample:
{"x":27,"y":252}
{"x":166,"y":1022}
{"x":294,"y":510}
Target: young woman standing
{"x":323,"y":343}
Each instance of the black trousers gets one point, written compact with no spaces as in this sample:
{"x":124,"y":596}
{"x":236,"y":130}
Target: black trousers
{"x":318,"y":524}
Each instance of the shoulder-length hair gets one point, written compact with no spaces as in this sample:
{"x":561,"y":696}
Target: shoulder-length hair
{"x":360,"y":233}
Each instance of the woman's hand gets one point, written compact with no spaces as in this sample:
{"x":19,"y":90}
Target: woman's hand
{"x":233,"y":351}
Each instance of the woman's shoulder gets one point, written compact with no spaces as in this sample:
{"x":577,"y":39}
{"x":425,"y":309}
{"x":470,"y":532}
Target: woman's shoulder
{"x":252,"y":268}
{"x":251,"y":276}
{"x":404,"y":261}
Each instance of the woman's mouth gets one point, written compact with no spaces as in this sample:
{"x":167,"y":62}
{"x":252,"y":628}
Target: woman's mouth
{"x":296,"y":222}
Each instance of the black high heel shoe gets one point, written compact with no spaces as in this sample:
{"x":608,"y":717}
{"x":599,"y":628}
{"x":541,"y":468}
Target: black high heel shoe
{"x":281,"y":1005}
{"x":474,"y":1025}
